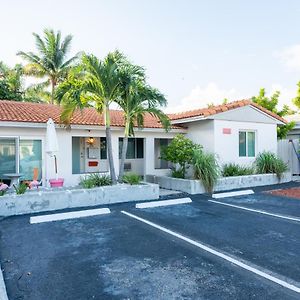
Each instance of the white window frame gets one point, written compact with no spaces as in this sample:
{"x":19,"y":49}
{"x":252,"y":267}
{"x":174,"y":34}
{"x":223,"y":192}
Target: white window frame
{"x":255,"y":141}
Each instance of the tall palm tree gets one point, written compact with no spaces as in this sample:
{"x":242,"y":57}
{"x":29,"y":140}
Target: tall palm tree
{"x":93,"y":83}
{"x":137,"y":100}
{"x":51,"y":60}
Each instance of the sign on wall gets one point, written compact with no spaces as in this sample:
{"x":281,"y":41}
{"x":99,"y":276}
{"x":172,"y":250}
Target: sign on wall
{"x":226,"y":130}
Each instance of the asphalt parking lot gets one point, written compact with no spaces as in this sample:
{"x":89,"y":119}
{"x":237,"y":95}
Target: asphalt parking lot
{"x":219,"y":252}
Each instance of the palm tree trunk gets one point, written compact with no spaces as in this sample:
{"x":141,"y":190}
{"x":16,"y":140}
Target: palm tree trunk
{"x":109,"y":146}
{"x":124,"y":151}
{"x":52,"y":90}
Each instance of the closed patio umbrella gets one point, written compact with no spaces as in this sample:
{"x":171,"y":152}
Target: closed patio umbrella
{"x":52,"y":143}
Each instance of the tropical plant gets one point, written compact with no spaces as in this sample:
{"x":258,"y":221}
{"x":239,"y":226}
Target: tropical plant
{"x":131,"y":178}
{"x":268,"y":162}
{"x":206,"y":168}
{"x":11,"y":82}
{"x":180,"y":151}
{"x":93,"y":83}
{"x":271,"y":104}
{"x":95,"y":180}
{"x":51,"y":61}
{"x":138,"y":99}
{"x":232,"y":169}
{"x":21,"y":188}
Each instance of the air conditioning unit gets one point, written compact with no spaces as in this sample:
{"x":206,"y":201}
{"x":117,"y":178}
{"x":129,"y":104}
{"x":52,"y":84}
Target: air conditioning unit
{"x":127,"y":167}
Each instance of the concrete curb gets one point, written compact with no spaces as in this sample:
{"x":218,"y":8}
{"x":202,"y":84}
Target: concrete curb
{"x":3,"y":294}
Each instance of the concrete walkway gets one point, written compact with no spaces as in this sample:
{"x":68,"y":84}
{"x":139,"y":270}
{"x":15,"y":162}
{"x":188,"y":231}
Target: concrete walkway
{"x":165,"y":192}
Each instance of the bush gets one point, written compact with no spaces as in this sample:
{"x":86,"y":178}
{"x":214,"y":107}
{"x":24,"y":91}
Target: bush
{"x":95,"y":180}
{"x":233,"y":169}
{"x":268,"y":162}
{"x":21,"y":188}
{"x":180,"y":151}
{"x":131,"y":178}
{"x":206,"y":169}
{"x":178,"y":173}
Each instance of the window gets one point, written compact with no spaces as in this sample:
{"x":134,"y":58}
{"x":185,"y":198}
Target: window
{"x":8,"y":155}
{"x":247,"y":144}
{"x":20,"y":156}
{"x":135,"y":148}
{"x":30,"y":158}
{"x":103,"y":148}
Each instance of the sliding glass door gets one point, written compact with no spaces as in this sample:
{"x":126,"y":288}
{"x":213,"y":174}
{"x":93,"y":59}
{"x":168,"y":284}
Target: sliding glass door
{"x":9,"y":161}
{"x":20,"y":156}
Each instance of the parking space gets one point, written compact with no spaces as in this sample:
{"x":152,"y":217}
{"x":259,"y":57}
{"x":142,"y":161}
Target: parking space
{"x":266,"y":202}
{"x":117,"y":256}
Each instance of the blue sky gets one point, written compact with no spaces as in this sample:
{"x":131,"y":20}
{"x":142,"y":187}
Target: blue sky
{"x":196,"y":52}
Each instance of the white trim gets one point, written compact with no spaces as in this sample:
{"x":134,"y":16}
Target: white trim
{"x":163,"y":203}
{"x":85,"y":127}
{"x":258,"y":211}
{"x":265,"y":273}
{"x":232,"y":194}
{"x":69,"y":215}
{"x":246,"y":141}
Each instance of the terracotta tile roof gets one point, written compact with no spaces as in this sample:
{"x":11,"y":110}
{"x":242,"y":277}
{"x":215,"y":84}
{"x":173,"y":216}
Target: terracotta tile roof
{"x":40,"y":113}
{"x":205,"y":112}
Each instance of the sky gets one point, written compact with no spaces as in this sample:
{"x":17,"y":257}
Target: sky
{"x":196,"y":52}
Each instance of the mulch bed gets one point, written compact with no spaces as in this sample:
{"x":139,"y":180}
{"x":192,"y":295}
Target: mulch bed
{"x":292,"y":193}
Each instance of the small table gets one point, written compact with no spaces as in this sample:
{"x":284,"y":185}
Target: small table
{"x":14,"y":177}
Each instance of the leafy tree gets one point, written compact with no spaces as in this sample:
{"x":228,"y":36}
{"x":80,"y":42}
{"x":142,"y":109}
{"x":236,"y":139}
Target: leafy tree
{"x":11,"y":82}
{"x":296,"y":100}
{"x":93,"y":83}
{"x":180,"y":151}
{"x":271,"y":103}
{"x":51,"y":60}
{"x":138,"y":99}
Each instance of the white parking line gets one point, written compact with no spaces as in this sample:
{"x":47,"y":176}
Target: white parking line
{"x":232,"y":194}
{"x":163,"y":203}
{"x":69,"y":215}
{"x":3,"y":293}
{"x":257,"y":211}
{"x":265,"y":274}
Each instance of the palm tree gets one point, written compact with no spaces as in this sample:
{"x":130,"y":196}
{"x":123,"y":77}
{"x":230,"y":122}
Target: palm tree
{"x":93,"y":83}
{"x":51,"y":60}
{"x":137,"y":100}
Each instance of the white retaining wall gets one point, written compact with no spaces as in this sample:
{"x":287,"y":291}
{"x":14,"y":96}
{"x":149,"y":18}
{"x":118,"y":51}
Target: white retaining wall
{"x":224,"y":184}
{"x":34,"y":201}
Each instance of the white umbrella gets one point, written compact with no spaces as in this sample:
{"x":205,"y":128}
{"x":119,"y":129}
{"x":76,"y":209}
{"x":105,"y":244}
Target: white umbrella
{"x":51,"y":142}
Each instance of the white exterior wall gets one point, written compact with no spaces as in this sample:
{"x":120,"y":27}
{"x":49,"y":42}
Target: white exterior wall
{"x":64,"y":157}
{"x":202,"y":132}
{"x":227,"y":145}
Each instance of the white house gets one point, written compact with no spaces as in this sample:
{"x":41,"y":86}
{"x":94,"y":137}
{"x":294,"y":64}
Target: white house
{"x":236,"y":132}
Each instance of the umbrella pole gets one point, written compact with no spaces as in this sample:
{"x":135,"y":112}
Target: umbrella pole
{"x":55,"y":161}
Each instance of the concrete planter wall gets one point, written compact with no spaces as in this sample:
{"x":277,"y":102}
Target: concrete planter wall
{"x":35,"y":201}
{"x":226,"y":183}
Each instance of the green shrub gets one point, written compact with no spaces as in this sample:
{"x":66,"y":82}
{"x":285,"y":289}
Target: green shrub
{"x":180,"y":152}
{"x":95,"y":180}
{"x":2,"y":193}
{"x":206,"y":169}
{"x":178,"y":173}
{"x":131,"y":178}
{"x":21,"y":188}
{"x":268,"y":162}
{"x":232,"y":169}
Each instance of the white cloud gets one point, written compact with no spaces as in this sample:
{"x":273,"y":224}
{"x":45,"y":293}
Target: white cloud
{"x":290,"y":57}
{"x":286,"y":94}
{"x":202,"y":96}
